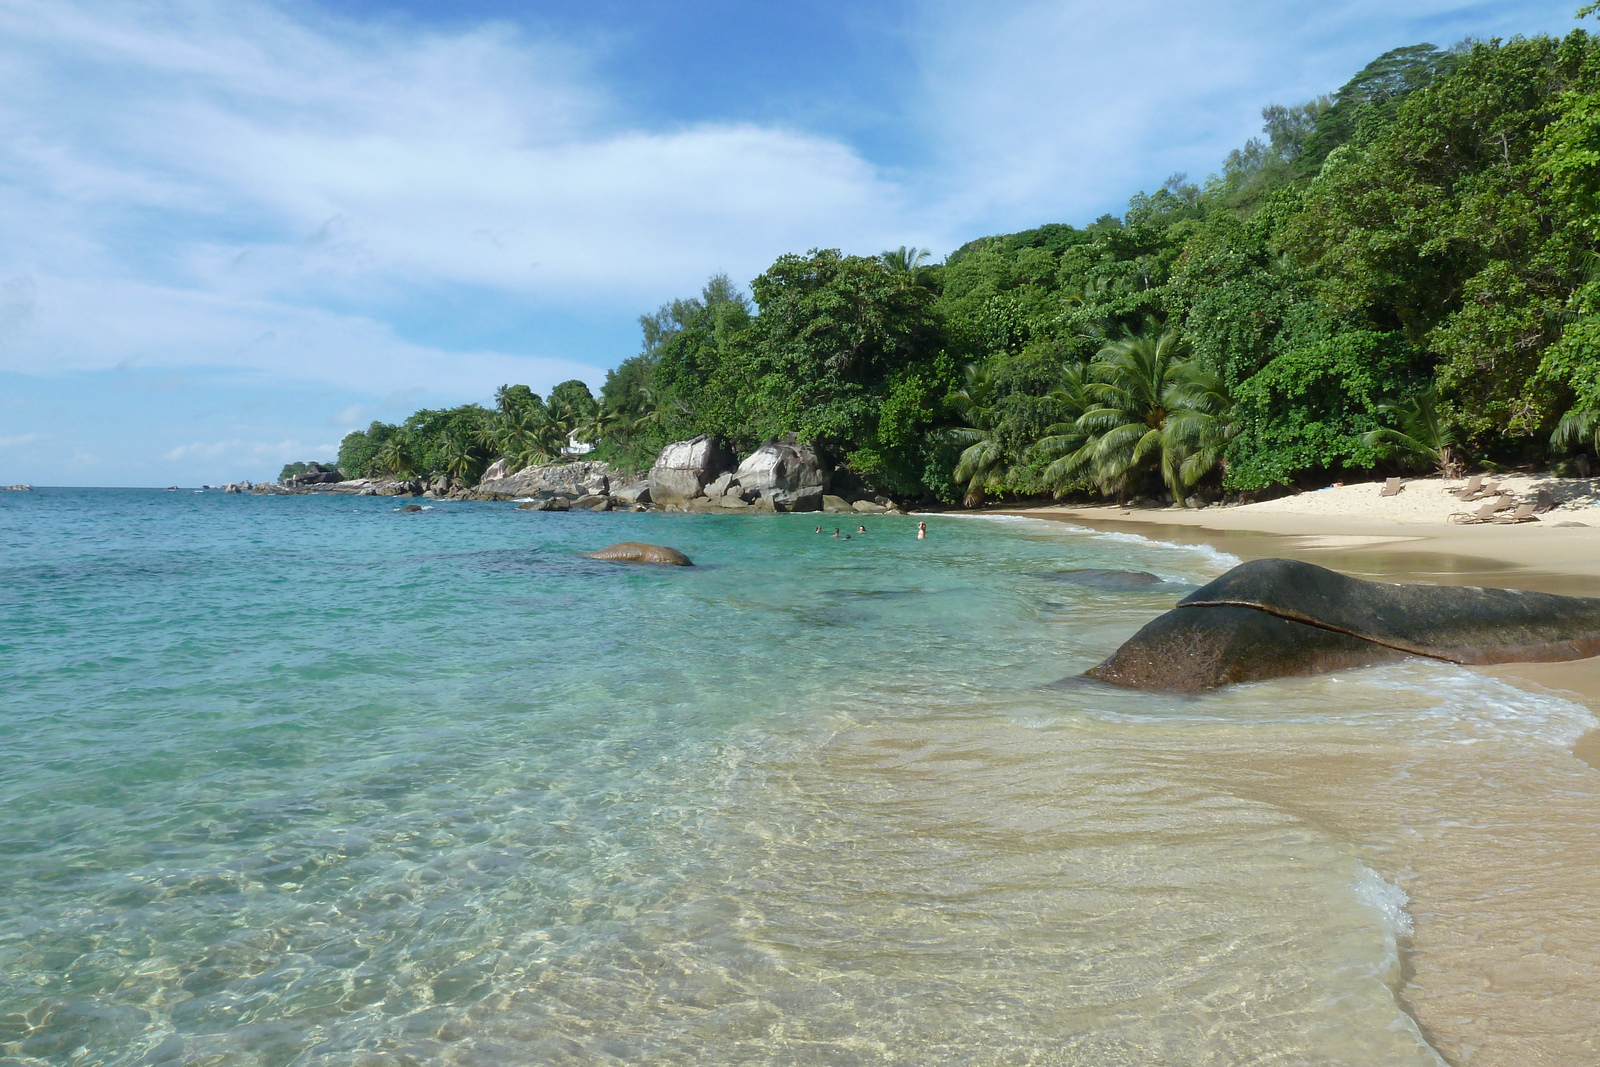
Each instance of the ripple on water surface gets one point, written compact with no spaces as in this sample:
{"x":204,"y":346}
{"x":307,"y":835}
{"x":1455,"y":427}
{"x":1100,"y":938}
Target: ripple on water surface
{"x":309,"y":781}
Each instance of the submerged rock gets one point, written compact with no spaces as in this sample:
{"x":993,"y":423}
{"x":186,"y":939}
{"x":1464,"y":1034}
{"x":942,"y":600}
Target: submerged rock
{"x":638,"y":552}
{"x":1272,"y":618}
{"x":1102,"y":578}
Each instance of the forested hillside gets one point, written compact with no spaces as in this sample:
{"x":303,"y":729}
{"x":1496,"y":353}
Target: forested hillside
{"x":1401,"y":275}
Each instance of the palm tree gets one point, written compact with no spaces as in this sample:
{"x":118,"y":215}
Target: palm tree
{"x":457,"y":454}
{"x":602,"y":423}
{"x":1578,"y":427}
{"x":396,"y":457}
{"x":983,"y":456}
{"x":905,"y":259}
{"x":1151,"y":409}
{"x":1063,"y":442}
{"x":1424,"y":438}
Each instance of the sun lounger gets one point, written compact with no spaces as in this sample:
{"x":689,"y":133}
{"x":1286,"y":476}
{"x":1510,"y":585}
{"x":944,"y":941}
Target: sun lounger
{"x":1391,"y":487}
{"x":1470,"y":490}
{"x":1483,"y":514}
{"x":1489,"y":489}
{"x":1524,"y":513}
{"x":1546,"y":502}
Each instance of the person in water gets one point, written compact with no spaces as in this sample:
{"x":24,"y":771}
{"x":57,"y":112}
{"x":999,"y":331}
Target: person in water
{"x":836,"y":531}
{"x":819,"y":529}
{"x":861,"y":529}
{"x":922,"y":530}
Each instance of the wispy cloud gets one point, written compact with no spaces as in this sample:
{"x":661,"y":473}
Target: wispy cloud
{"x":246,"y":453}
{"x":220,"y":183}
{"x":20,"y":439}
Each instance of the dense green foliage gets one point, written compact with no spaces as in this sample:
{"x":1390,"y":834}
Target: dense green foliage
{"x":1401,"y":275}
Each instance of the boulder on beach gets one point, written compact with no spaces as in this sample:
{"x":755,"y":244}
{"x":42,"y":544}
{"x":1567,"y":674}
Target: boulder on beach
{"x":638,"y":552}
{"x":684,"y":468}
{"x":789,"y":475}
{"x":1272,"y":618}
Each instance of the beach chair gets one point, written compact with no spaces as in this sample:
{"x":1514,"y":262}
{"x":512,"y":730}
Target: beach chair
{"x":1524,"y":513}
{"x":1483,"y":514}
{"x":1470,"y":490}
{"x":1392,"y":487}
{"x":1489,"y":489}
{"x":1546,"y":502}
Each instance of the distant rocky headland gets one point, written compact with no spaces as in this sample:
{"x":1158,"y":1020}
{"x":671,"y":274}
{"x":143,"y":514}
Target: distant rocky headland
{"x":782,"y":475}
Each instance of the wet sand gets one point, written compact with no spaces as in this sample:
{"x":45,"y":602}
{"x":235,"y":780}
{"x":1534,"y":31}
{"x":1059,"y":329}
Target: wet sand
{"x":1499,"y":850}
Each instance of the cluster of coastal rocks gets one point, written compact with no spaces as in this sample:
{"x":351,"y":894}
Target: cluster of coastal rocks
{"x":695,"y":475}
{"x":782,"y":475}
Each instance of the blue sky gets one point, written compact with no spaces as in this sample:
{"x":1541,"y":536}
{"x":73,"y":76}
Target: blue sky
{"x":233,"y":230}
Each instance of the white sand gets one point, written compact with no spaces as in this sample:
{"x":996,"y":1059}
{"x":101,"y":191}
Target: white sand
{"x":1428,"y":500}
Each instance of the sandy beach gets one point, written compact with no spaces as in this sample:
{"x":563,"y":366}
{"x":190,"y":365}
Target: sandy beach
{"x":1408,"y":537}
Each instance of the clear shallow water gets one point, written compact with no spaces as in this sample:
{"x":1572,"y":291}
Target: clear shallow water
{"x":308,"y":781}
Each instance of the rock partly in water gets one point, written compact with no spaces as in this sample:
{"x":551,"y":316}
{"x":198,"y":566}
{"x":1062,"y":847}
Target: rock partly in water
{"x":1272,"y":618}
{"x":410,"y":508}
{"x":684,"y":468}
{"x":546,"y":503}
{"x":867,"y":507}
{"x":638,"y":552}
{"x":835,"y":504}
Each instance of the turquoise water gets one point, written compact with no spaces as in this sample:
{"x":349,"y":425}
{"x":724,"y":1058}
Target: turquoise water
{"x":306,"y":780}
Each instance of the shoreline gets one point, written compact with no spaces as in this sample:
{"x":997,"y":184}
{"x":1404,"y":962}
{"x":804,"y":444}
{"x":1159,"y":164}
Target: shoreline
{"x":1547,"y":558}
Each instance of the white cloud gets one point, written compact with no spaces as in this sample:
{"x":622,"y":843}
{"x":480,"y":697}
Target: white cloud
{"x":229,"y":160}
{"x":20,"y":439}
{"x":248,"y":453}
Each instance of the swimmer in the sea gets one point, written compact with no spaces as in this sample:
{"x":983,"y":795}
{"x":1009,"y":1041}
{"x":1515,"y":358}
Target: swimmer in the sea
{"x":836,"y":531}
{"x":861,"y":529}
{"x":922,"y":530}
{"x":819,"y":529}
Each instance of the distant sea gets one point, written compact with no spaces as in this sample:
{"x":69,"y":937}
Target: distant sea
{"x":310,"y":781}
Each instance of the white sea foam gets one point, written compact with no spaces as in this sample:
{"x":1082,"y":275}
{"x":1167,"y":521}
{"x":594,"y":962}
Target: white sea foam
{"x":1214,"y":557}
{"x":1473,"y":707}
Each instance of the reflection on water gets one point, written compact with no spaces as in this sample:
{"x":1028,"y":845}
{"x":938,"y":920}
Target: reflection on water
{"x":453,"y":797}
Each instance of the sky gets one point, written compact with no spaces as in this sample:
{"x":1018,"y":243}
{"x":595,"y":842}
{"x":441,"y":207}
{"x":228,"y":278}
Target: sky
{"x":231,"y":231}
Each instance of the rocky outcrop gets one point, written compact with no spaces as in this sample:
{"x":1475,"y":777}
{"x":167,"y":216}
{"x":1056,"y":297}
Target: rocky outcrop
{"x":684,"y":468}
{"x":785,"y":473}
{"x":579,"y":478}
{"x":1275,"y":617}
{"x":637,"y":552}
{"x":314,"y":474}
{"x":16,"y":488}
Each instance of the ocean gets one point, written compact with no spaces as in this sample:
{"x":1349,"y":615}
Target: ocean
{"x":311,"y":781}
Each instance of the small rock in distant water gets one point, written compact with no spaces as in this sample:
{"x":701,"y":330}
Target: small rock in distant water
{"x":638,"y":552}
{"x":18,"y":488}
{"x":410,"y":507}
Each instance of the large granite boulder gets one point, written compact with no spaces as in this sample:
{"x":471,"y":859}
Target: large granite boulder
{"x":579,"y":478}
{"x":788,"y":475}
{"x":1275,"y":617}
{"x":683,"y":468}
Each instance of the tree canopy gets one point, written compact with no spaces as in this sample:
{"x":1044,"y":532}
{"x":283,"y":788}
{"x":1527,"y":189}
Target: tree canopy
{"x":1412,"y":258}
